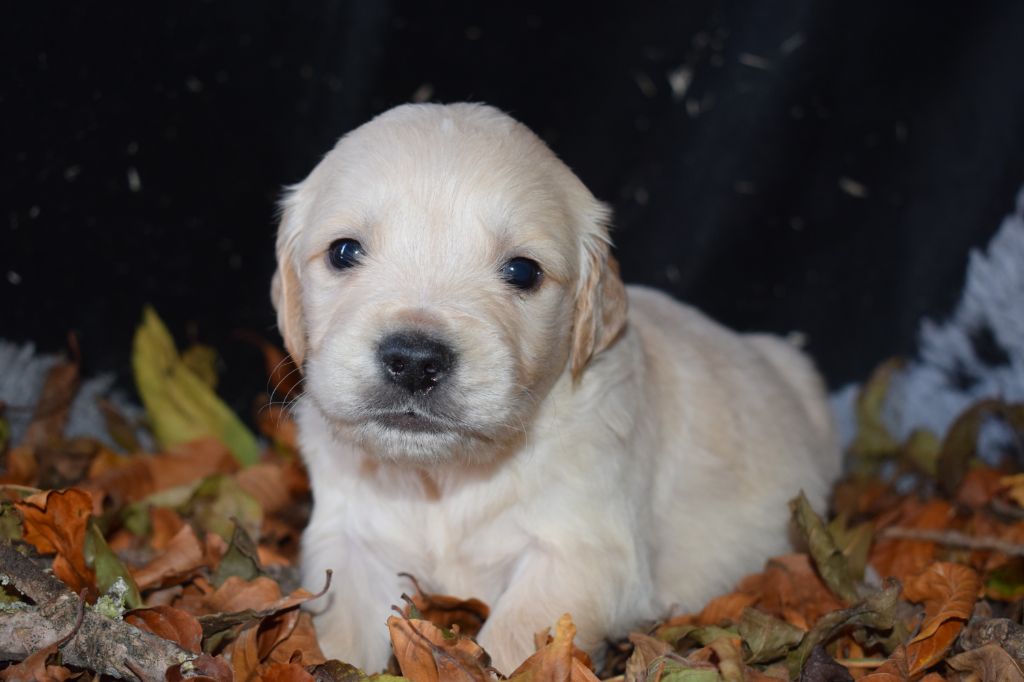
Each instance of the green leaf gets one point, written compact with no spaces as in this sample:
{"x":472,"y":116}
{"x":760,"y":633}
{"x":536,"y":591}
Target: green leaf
{"x":5,"y":434}
{"x":766,"y":637}
{"x":1007,"y":582}
{"x":829,"y":560}
{"x":108,"y":566}
{"x":854,"y":542}
{"x":700,"y":634}
{"x":219,"y":503}
{"x":875,"y":612}
{"x":202,"y":360}
{"x":677,"y":671}
{"x":961,"y":443}
{"x":10,"y":522}
{"x":922,"y":448}
{"x":241,"y":559}
{"x":873,"y":438}
{"x":180,"y":405}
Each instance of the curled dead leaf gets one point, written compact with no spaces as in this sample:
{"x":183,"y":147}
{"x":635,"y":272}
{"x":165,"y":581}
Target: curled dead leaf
{"x":426,"y":653}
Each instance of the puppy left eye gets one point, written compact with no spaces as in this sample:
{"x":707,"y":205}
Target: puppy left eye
{"x":522,"y":273}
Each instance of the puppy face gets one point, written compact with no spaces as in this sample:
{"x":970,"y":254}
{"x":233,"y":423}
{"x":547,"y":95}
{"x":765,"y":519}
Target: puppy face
{"x":438,"y":271}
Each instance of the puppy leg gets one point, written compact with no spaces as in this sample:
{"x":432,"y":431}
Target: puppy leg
{"x":593,"y":586}
{"x":351,"y":619}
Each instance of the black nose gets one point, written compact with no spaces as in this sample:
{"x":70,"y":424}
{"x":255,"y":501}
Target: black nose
{"x":415,"y":361}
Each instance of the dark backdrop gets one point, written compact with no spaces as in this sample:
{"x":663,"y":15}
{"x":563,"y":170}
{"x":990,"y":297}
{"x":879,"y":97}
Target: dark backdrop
{"x":785,"y":165}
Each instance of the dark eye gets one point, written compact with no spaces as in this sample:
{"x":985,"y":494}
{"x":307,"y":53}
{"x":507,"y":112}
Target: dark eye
{"x":344,"y":253}
{"x":522,"y":273}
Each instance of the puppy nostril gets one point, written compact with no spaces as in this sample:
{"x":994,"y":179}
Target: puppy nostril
{"x":415,"y":361}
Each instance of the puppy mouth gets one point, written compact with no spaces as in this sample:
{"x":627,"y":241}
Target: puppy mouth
{"x":411,"y":421}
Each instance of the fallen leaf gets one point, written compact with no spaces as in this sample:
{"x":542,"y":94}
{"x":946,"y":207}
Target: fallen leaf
{"x":948,"y":592}
{"x":54,"y":522}
{"x":961,"y":442}
{"x":219,"y":503}
{"x":904,"y":558}
{"x":828,"y":559}
{"x":284,"y":672}
{"x":426,"y":653}
{"x":170,"y":623}
{"x":445,"y":612}
{"x":141,"y":476}
{"x":767,"y":638}
{"x":873,"y":437}
{"x":820,"y":667}
{"x":54,"y":404}
{"x":989,"y":662}
{"x":181,"y":407}
{"x":182,"y":557}
{"x":555,"y":661}
{"x":241,"y":559}
{"x":875,"y":612}
{"x":108,"y":568}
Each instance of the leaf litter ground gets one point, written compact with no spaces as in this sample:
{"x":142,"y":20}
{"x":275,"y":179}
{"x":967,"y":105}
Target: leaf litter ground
{"x":179,"y":563}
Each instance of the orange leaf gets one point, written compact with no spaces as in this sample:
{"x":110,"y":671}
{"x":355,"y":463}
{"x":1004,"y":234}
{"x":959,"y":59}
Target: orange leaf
{"x":170,"y":623}
{"x":275,"y":485}
{"x":243,"y":652}
{"x":555,"y":662}
{"x":55,"y":522}
{"x":948,"y":592}
{"x":142,"y":475}
{"x":182,"y":556}
{"x":904,"y":558}
{"x":284,"y":672}
{"x":427,"y":654}
{"x":445,"y":611}
{"x":282,"y":644}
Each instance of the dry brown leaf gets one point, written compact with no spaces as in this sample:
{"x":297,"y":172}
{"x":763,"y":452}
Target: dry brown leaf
{"x":299,"y":639}
{"x":164,"y":525}
{"x":181,"y":557}
{"x":258,"y":594}
{"x":989,"y":662}
{"x":555,"y":662}
{"x":53,"y":406}
{"x":790,"y":588}
{"x":20,"y":468}
{"x":274,"y":484}
{"x":948,"y":592}
{"x":904,"y":558}
{"x":445,"y":611}
{"x":979,"y":487}
{"x":284,"y":672}
{"x":55,"y":522}
{"x":726,"y":608}
{"x":170,"y":623}
{"x":142,"y":475}
{"x":243,"y":652}
{"x":426,"y":654}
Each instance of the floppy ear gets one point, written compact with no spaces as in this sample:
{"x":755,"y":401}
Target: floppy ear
{"x":285,"y":287}
{"x":600,"y":305}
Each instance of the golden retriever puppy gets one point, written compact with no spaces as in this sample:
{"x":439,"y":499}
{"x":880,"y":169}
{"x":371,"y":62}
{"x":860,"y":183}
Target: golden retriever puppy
{"x":488,"y":408}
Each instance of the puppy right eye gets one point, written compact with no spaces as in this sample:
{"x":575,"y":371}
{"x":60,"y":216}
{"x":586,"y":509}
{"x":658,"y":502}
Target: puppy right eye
{"x":344,"y":253}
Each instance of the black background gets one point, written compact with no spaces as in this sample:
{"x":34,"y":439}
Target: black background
{"x":827,"y":169}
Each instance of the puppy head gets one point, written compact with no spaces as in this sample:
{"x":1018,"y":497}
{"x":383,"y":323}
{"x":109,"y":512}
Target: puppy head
{"x":438,"y":271}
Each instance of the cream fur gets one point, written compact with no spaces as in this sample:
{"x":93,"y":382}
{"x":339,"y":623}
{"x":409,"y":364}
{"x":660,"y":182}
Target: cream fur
{"x":614,"y":465}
